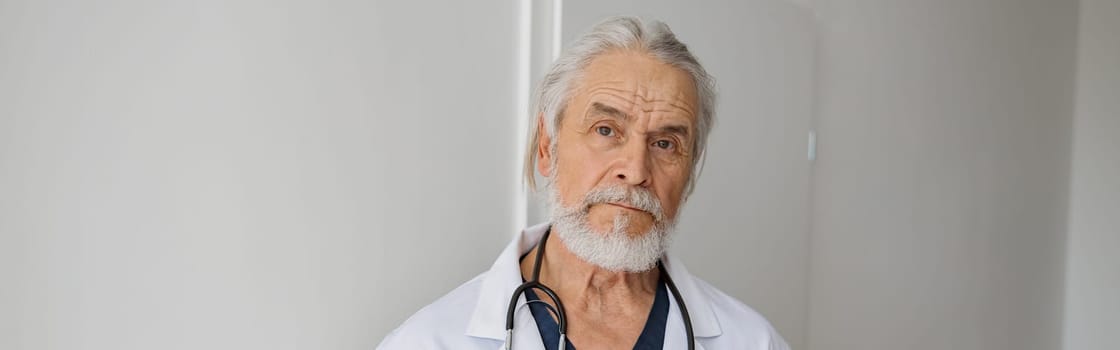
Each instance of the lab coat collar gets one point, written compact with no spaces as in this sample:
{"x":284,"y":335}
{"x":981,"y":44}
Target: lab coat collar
{"x":489,"y":316}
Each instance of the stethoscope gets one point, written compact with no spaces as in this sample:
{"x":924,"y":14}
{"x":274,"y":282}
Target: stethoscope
{"x":558,"y":311}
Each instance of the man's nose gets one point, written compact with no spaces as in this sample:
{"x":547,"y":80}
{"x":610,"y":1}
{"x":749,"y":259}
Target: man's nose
{"x":634,"y":168}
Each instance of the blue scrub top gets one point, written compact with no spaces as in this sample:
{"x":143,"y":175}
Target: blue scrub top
{"x":652,"y":337}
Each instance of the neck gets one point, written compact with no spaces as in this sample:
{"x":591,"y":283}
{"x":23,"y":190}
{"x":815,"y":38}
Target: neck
{"x":589,"y":285}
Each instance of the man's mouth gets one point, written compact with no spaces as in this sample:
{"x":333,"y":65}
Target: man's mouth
{"x":624,"y":206}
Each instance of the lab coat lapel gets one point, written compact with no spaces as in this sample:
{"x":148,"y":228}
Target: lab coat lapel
{"x":704,"y":322}
{"x":525,"y":332}
{"x":488,"y":320}
{"x":675,"y":336}
{"x":489,"y":315}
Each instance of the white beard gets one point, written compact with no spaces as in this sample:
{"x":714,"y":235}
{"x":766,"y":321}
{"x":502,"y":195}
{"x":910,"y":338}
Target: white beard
{"x":615,"y":250}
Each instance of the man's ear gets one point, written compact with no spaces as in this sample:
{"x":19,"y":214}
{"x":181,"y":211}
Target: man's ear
{"x":544,"y":153}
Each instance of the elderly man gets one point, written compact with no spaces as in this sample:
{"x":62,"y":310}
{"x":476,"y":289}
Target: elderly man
{"x":623,"y":118}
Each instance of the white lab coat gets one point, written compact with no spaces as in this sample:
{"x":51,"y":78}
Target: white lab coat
{"x":473,"y":315}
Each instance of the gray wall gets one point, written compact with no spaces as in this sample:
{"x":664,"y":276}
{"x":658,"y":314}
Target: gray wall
{"x":1092,"y":309}
{"x":251,"y":174}
{"x":939,"y":209}
{"x":247,"y":175}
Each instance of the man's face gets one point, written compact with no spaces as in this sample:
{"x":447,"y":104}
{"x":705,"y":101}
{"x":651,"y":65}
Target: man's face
{"x":630,"y":122}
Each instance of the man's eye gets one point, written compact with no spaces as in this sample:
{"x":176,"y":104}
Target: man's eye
{"x":663,"y":144}
{"x":604,"y":130}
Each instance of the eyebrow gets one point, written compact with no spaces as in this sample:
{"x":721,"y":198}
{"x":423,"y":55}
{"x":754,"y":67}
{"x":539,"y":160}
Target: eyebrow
{"x":600,"y":108}
{"x":676,"y":129}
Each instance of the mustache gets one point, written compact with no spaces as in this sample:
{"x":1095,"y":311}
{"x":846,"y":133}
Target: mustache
{"x":634,"y":197}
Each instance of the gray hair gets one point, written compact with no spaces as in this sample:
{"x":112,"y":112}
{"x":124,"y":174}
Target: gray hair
{"x":616,"y":33}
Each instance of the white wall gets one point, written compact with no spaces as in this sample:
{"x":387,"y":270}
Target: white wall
{"x":244,"y":174}
{"x":745,"y":229}
{"x":247,"y":174}
{"x":1092,"y":310}
{"x":940,"y":189}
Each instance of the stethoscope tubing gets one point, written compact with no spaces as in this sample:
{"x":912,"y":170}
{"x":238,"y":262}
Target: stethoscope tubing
{"x":534,"y":283}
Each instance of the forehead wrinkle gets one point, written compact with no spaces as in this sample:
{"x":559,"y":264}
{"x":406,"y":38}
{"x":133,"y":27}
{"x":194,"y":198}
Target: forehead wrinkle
{"x":633,"y":97}
{"x":640,"y":72}
{"x":669,"y":108}
{"x":645,"y":105}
